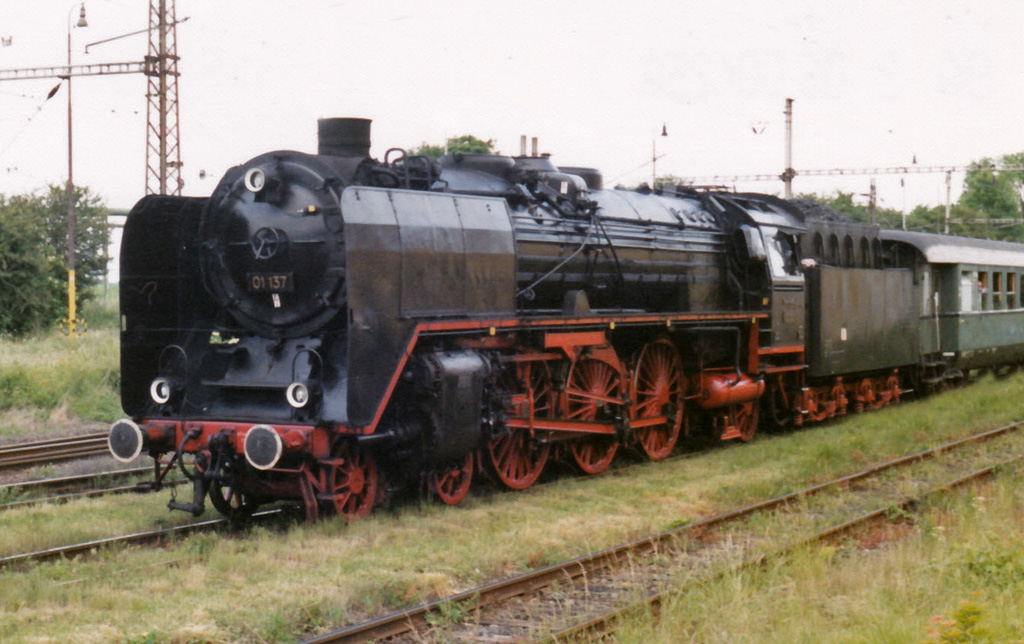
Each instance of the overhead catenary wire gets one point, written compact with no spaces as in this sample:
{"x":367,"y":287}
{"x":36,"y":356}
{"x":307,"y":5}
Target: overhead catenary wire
{"x":29,"y":120}
{"x":838,"y":172}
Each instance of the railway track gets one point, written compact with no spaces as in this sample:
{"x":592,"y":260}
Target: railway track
{"x":66,"y":488}
{"x":135,"y":539}
{"x":604,"y":621}
{"x":138,"y":538}
{"x":55,"y":449}
{"x":544,"y":605}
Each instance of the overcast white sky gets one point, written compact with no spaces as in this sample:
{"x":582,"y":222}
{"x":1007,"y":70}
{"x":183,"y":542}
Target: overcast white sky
{"x":875,"y":83}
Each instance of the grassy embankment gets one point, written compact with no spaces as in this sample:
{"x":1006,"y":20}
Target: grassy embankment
{"x":53,"y":385}
{"x":271,"y":586}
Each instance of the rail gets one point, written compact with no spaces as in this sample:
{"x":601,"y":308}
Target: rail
{"x":55,"y":449}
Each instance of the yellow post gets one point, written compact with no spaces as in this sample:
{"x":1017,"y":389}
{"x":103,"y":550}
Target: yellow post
{"x":71,"y":304}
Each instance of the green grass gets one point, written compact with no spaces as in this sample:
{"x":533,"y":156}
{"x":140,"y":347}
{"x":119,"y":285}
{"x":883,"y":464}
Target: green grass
{"x":101,"y":312}
{"x":271,"y":585}
{"x":50,"y":382}
{"x":957,"y":578}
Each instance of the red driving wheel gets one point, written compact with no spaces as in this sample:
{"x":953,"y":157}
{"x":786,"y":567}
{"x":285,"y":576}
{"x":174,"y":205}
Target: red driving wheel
{"x":658,"y":386}
{"x":593,"y":392}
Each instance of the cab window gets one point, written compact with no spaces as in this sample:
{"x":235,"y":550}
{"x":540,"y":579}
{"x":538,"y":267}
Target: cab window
{"x":782,"y":257}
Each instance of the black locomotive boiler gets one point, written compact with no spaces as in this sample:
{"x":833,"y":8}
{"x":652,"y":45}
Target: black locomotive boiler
{"x":323,"y":327}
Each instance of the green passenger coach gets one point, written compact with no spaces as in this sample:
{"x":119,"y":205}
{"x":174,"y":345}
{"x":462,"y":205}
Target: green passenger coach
{"x":970,"y":297}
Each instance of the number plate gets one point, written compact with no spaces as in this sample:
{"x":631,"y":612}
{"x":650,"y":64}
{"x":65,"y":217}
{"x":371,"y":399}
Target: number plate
{"x":270,"y":282}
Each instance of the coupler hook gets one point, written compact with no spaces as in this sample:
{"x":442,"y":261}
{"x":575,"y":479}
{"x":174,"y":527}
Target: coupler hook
{"x":199,"y":488}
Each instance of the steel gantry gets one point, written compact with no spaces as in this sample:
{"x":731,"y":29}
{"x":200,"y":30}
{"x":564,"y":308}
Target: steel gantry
{"x":160,"y":66}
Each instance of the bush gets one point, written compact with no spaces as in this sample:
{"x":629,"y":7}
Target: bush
{"x":29,"y":288}
{"x":33,"y":252}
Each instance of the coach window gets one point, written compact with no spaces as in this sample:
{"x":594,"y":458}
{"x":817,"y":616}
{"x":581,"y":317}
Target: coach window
{"x":927,"y":302}
{"x":1011,"y":290}
{"x":970,"y":298}
{"x":983,"y":290}
{"x":997,"y":291}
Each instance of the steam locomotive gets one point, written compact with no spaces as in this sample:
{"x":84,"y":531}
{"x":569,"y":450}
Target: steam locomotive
{"x":325,"y":328}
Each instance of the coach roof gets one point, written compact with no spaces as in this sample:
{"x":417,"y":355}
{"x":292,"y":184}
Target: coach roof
{"x":946,"y":249}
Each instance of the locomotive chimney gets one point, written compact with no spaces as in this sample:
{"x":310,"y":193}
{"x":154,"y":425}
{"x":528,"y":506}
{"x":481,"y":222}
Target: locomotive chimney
{"x":343,"y":137}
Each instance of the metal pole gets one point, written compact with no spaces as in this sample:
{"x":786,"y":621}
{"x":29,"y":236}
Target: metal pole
{"x":789,"y":173}
{"x":654,"y":163}
{"x":949,"y":185}
{"x":654,"y":156}
{"x":72,"y":313}
{"x":872,"y":202}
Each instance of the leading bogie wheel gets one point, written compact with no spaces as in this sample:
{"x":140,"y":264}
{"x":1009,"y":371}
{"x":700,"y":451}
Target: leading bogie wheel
{"x":658,"y":389}
{"x":231,"y":501}
{"x":351,"y":481}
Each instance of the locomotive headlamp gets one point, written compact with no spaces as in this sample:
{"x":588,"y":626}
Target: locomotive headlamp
{"x":255,"y":179}
{"x":263,"y":447}
{"x":297,"y":395}
{"x":125,"y":440}
{"x":160,"y":390}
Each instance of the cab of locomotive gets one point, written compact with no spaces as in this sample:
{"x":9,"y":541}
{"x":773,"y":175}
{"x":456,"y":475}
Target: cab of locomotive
{"x":766,"y":235}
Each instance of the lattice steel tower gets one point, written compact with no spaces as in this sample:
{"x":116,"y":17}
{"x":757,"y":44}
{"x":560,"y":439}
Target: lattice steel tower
{"x":163,"y":153}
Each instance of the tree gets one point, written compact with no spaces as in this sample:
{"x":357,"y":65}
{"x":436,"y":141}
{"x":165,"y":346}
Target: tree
{"x":990,"y":207}
{"x":465,"y":144}
{"x":92,"y":235}
{"x":33,"y":256}
{"x":30,"y":288}
{"x":991,"y":194}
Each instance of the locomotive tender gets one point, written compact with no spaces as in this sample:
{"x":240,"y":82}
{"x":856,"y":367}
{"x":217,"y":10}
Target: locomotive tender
{"x":324,"y":326}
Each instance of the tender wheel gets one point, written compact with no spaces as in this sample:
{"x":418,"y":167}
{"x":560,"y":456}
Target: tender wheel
{"x":591,"y":382}
{"x":230,"y":501}
{"x":817,"y":405}
{"x":745,"y":417}
{"x":453,"y":485}
{"x":892,"y":385}
{"x":838,"y":396}
{"x":515,"y":457}
{"x":351,"y":482}
{"x":658,"y":386}
{"x":866,"y":398}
